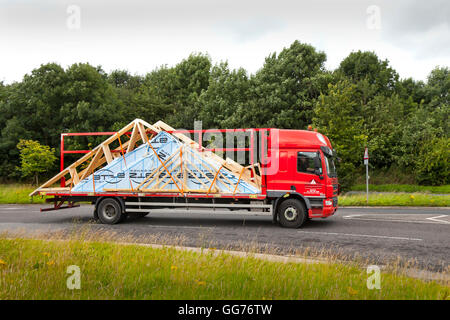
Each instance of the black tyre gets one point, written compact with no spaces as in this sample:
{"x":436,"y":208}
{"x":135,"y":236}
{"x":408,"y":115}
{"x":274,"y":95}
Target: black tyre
{"x":292,"y":213}
{"x":109,"y":211}
{"x":95,"y":214}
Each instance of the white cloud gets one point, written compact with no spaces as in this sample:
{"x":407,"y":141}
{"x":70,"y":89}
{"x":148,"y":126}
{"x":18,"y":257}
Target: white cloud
{"x":141,"y":35}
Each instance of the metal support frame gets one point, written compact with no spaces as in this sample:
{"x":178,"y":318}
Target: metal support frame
{"x":58,"y":204}
{"x":77,"y":134}
{"x":140,"y":128}
{"x":251,"y":147}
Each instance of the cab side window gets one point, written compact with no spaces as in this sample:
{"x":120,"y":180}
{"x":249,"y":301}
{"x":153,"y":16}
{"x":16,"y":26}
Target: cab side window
{"x":305,"y":162}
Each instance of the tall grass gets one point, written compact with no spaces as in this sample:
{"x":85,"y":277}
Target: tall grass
{"x":391,"y":175}
{"x":18,"y":193}
{"x":395,"y":199}
{"x":37,"y":269}
{"x":402,"y":188}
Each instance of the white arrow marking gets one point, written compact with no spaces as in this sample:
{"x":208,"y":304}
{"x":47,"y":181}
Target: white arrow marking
{"x":433,"y":220}
{"x":437,"y":219}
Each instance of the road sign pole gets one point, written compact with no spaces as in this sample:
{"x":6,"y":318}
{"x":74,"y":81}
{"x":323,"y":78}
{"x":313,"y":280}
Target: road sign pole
{"x":366,"y":162}
{"x":367,"y":181}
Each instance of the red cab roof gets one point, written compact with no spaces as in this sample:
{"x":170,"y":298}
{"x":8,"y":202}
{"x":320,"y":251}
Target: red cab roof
{"x":299,"y":139}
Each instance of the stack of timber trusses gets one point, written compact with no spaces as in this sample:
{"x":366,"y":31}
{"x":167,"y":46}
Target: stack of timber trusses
{"x":155,"y":159}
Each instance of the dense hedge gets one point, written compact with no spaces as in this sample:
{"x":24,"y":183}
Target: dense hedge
{"x":362,"y":103}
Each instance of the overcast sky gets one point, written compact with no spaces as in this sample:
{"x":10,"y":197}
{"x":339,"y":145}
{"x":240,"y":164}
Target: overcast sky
{"x":141,"y":35}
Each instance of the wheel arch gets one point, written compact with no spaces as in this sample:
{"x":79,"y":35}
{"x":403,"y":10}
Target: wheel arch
{"x":281,"y":196}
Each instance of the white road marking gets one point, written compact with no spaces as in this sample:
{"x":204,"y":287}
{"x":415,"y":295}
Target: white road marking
{"x":184,"y":227}
{"x":363,"y":218}
{"x":312,"y":232}
{"x":438,"y":217}
{"x":360,"y":235}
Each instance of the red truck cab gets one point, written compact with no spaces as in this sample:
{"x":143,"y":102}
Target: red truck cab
{"x":306,"y":175}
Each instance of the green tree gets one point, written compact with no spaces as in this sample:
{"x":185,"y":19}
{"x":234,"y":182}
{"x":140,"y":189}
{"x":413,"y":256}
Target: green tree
{"x":30,"y":110}
{"x":227,"y":94}
{"x":437,"y":88}
{"x":362,"y":103}
{"x":35,"y":158}
{"x":412,"y":93}
{"x":433,"y":162}
{"x":285,"y":89}
{"x":337,"y":114}
{"x":382,"y":115}
{"x":373,"y":74}
{"x":414,"y":132}
{"x":173,"y":91}
{"x":123,"y":79}
{"x":89,"y":103}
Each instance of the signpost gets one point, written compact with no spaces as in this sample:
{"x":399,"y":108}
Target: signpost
{"x":366,"y":163}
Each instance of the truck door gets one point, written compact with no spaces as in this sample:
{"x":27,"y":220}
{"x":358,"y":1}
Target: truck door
{"x":297,"y":173}
{"x":309,"y":175}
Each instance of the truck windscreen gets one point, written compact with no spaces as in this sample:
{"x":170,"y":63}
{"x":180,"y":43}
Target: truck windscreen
{"x":331,"y":168}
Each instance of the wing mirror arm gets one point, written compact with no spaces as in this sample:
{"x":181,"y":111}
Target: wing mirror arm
{"x":317,"y":166}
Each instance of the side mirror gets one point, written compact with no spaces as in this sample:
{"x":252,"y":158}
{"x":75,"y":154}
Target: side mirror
{"x":317,"y":165}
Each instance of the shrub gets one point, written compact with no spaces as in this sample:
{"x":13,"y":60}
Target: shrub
{"x":432,"y":166}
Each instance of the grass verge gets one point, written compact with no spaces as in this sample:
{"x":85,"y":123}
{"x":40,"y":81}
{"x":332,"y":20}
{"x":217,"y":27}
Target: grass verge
{"x":402,"y":188}
{"x":37,"y":269}
{"x":18,"y":193}
{"x":395,"y":199}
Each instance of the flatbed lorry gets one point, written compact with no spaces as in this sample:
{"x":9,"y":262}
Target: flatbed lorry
{"x":294,"y":180}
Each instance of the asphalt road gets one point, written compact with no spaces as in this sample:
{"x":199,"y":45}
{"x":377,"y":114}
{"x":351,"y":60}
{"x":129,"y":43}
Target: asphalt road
{"x":378,"y":234}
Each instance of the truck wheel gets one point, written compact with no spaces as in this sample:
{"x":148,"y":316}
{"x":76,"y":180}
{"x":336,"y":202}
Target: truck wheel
{"x":292,"y":213}
{"x":109,"y":211}
{"x":95,"y":214}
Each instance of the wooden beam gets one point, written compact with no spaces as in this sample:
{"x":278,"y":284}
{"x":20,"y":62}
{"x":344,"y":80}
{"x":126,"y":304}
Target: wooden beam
{"x":207,"y":178}
{"x":168,"y":180}
{"x":157,"y":172}
{"x":88,"y":155}
{"x":199,"y":156}
{"x":92,"y":165}
{"x":198,"y":179}
{"x":133,"y":139}
{"x":107,"y":153}
{"x":159,"y":190}
{"x":74,"y":175}
{"x":140,"y":129}
{"x":142,"y":132}
{"x":56,"y":189}
{"x":228,"y":164}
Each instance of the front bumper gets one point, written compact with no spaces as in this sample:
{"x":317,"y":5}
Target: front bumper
{"x":329,"y":207}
